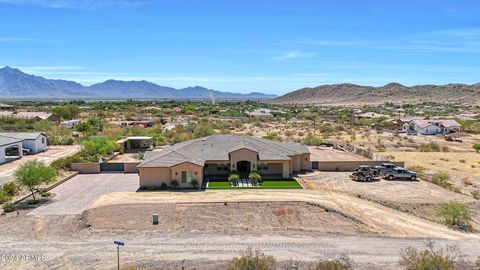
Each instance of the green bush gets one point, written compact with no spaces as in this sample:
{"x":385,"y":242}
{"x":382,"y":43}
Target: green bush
{"x":163,"y":186}
{"x":8,"y":207}
{"x":312,"y":140}
{"x":476,"y":147}
{"x":143,"y":188}
{"x":456,"y":214}
{"x":33,"y":201}
{"x":255,"y":176}
{"x":195,"y":183}
{"x":233,"y":177}
{"x":152,"y":188}
{"x":253,"y":260}
{"x":431,"y":259}
{"x":174,"y":184}
{"x":4,"y":197}
{"x":45,"y":194}
{"x":11,"y":189}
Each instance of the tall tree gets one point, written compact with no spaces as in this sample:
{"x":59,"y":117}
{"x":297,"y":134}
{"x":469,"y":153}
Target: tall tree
{"x":33,"y":173}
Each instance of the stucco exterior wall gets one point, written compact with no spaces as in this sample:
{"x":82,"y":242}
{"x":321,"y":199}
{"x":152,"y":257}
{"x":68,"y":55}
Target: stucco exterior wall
{"x":296,"y":163}
{"x":306,"y":164}
{"x":197,"y":173}
{"x":348,"y":166}
{"x":130,"y":167}
{"x":90,"y":167}
{"x":154,"y":176}
{"x":273,"y":168}
{"x":243,"y":154}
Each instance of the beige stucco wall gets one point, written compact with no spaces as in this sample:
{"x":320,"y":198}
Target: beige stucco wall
{"x":91,"y":167}
{"x":296,"y":163}
{"x":306,"y":164}
{"x":243,"y":154}
{"x":130,"y":167}
{"x":274,"y":167}
{"x":154,"y":176}
{"x":350,"y":165}
{"x":197,"y":173}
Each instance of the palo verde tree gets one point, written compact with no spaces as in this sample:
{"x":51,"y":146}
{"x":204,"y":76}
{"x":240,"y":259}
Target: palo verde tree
{"x":33,"y":173}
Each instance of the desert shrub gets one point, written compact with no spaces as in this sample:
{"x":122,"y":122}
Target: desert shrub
{"x":11,"y":189}
{"x":8,"y":207}
{"x":143,"y":188}
{"x":456,"y":214}
{"x":476,"y":147}
{"x":341,"y":264}
{"x":4,"y":197}
{"x":152,"y":188}
{"x":431,"y":259}
{"x":462,"y":161}
{"x":271,"y":137}
{"x":139,"y":155}
{"x":312,"y":140}
{"x":430,"y":147}
{"x":441,"y":179}
{"x":252,"y":260}
{"x":33,"y":173}
{"x":174,"y":184}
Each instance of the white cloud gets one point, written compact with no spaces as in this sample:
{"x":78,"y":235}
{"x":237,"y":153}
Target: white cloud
{"x":79,"y":4}
{"x":292,"y":55}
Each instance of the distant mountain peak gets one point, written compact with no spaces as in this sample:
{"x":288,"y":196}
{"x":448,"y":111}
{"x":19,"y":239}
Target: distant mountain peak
{"x":16,"y":84}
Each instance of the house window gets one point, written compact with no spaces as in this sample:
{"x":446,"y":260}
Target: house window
{"x":223,"y":167}
{"x":262,"y":166}
{"x":43,"y":140}
{"x":186,"y":177}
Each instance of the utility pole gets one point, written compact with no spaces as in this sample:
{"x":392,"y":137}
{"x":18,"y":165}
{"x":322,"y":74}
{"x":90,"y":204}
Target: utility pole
{"x":118,"y":243}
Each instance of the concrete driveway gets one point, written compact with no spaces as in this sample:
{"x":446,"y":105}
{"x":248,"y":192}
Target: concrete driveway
{"x":78,"y":193}
{"x":53,"y":153}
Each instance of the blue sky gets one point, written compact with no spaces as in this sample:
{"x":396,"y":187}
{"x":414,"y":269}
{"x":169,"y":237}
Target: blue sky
{"x":244,"y":45}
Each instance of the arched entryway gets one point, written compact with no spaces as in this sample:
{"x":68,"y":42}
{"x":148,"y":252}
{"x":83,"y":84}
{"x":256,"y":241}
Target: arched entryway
{"x":243,"y":167}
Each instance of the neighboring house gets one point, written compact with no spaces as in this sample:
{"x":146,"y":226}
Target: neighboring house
{"x":215,"y":156}
{"x":402,"y":122}
{"x":372,"y":115}
{"x":6,"y":107}
{"x":35,"y":141}
{"x":32,"y":116}
{"x":136,"y":143}
{"x":432,"y":126}
{"x":10,"y":148}
{"x":260,"y":113}
{"x":70,"y":123}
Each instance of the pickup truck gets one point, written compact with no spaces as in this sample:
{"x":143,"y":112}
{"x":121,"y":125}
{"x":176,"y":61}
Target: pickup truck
{"x":401,"y":173}
{"x":386,"y":168}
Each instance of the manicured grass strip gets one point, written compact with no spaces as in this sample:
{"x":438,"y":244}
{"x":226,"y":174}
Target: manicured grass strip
{"x":267,"y":184}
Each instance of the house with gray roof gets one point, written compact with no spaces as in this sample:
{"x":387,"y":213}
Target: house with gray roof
{"x":213,"y":157}
{"x":10,"y":148}
{"x":432,"y":126}
{"x":36,"y":142}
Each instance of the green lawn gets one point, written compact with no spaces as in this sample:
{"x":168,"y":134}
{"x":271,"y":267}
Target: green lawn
{"x":267,"y":184}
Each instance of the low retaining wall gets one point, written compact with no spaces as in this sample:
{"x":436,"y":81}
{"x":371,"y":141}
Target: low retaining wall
{"x":89,"y":167}
{"x":130,"y":167}
{"x":348,"y":166}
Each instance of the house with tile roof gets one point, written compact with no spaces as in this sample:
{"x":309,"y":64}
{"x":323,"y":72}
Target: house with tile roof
{"x":432,"y":126}
{"x":213,"y":157}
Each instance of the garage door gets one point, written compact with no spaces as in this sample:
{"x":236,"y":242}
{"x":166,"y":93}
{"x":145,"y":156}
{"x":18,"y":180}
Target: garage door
{"x":111,"y":167}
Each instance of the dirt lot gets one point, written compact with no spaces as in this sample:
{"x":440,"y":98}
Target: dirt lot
{"x":463,"y":167}
{"x":391,"y":190}
{"x":218,"y":217}
{"x":330,"y":154}
{"x":54,"y":152}
{"x":75,"y":195}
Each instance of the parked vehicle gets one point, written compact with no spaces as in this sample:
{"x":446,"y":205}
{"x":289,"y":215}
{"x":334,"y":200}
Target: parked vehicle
{"x":26,"y":151}
{"x":386,"y":168}
{"x":401,"y":173}
{"x":365,"y":173}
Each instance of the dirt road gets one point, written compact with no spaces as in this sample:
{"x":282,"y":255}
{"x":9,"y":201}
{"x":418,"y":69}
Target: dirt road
{"x":379,"y":218}
{"x":203,"y":251}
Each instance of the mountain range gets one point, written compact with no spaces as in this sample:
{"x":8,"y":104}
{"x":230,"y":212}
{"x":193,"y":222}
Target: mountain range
{"x":16,"y":84}
{"x":349,"y":94}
